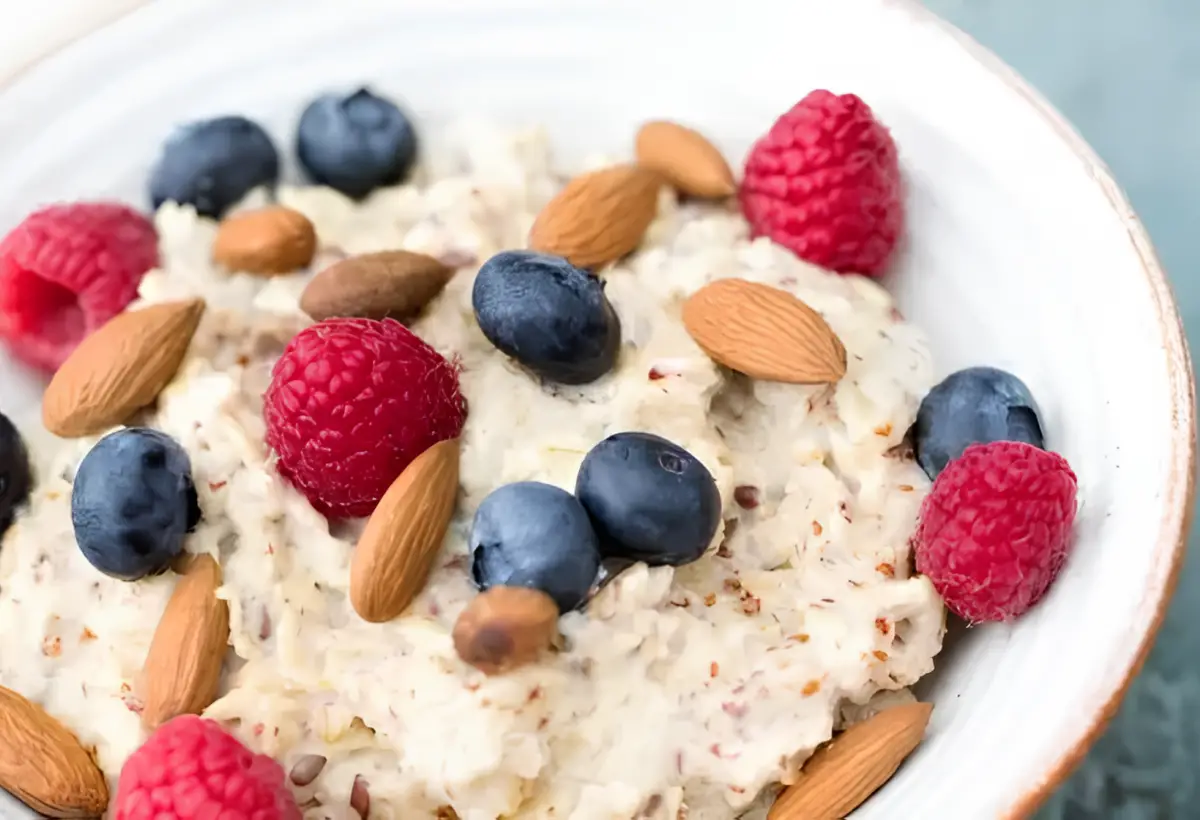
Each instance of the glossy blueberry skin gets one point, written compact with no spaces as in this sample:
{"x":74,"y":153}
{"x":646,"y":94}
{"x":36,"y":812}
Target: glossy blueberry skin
{"x":973,"y":406}
{"x":212,"y":164}
{"x":649,"y":499}
{"x":355,"y":143}
{"x":15,"y":476}
{"x":548,"y":315}
{"x":132,"y":503}
{"x":530,"y":534}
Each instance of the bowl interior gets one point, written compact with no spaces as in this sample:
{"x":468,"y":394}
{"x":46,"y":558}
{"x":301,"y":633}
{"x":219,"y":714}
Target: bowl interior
{"x":1021,"y":255}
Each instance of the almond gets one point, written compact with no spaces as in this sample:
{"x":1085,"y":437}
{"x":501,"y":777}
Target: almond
{"x":764,"y":332}
{"x":267,"y":241}
{"x":843,"y":773}
{"x":398,"y":284}
{"x":685,"y":158}
{"x":402,"y":537}
{"x":504,"y":628}
{"x":44,"y":765}
{"x":120,"y":368}
{"x":599,"y":216}
{"x":183,"y":666}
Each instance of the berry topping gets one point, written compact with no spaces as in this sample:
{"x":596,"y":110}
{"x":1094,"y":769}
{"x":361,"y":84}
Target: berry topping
{"x":995,"y":530}
{"x":351,"y":403}
{"x":355,"y":143}
{"x":213,"y":164}
{"x":535,"y":535}
{"x":15,"y":477}
{"x":824,"y":182}
{"x":649,"y":499}
{"x":132,"y":503}
{"x":191,"y":768}
{"x":973,"y":406}
{"x":547,"y":314}
{"x":66,"y":270}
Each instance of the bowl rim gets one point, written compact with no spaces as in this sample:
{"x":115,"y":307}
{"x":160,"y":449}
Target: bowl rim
{"x":1179,"y":493}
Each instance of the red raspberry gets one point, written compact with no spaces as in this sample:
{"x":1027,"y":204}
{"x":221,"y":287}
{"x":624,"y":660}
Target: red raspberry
{"x":66,"y":270}
{"x":996,"y":528}
{"x":824,"y":183}
{"x":191,"y":768}
{"x":351,"y":403}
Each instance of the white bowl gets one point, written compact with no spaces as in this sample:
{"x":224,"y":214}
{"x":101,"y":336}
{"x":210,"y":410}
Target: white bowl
{"x":1023,"y":253}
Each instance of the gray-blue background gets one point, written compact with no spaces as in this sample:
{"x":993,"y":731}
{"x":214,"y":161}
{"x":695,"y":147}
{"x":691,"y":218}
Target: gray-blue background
{"x":1127,"y":74}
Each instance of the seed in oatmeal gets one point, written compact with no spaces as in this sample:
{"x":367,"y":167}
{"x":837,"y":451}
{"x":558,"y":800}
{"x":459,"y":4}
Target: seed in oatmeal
{"x":504,"y":628}
{"x":685,"y":158}
{"x":133,"y":502}
{"x":212,"y":165}
{"x":355,"y":143}
{"x":395,"y":284}
{"x":266,"y":241}
{"x":15,"y":477}
{"x":548,"y":315}
{"x":650,"y":499}
{"x":973,"y":406}
{"x":530,"y":534}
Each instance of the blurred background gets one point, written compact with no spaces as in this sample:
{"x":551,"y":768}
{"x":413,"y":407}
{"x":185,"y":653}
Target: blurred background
{"x":1127,"y":74}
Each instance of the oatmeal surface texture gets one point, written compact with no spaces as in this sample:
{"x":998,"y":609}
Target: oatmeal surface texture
{"x":700,"y":686}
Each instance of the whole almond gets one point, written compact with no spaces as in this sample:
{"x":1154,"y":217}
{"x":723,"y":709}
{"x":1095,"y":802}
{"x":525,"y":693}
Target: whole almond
{"x":599,"y":216}
{"x":44,"y":765}
{"x":687,"y":160}
{"x":396,"y":550}
{"x":842,"y":774}
{"x":267,"y":241}
{"x":764,"y":332}
{"x":183,"y":667}
{"x":505,"y":628}
{"x":396,"y":284}
{"x":120,"y":368}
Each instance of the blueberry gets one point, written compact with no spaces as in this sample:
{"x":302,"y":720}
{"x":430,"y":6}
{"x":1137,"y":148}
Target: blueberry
{"x":355,"y":143}
{"x":547,"y":314}
{"x":973,"y":406}
{"x":531,"y":534}
{"x":212,"y":164}
{"x":132,"y":503}
{"x":649,"y":499}
{"x":15,"y":478}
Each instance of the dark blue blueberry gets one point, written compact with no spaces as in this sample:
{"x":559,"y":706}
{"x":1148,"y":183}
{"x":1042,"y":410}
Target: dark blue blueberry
{"x":132,"y":503}
{"x":978,"y":405}
{"x":15,"y":477}
{"x":547,"y":314}
{"x":649,"y":499}
{"x":531,"y":534}
{"x":213,"y":164}
{"x":355,"y":143}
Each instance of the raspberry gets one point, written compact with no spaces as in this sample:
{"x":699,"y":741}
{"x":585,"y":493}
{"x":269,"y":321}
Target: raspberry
{"x":996,"y":528}
{"x":351,"y":403}
{"x":191,"y":768}
{"x":66,"y":270}
{"x":824,"y":182}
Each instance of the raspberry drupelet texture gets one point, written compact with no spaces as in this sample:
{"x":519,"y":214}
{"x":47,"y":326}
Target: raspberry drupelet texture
{"x":824,"y":182}
{"x":351,"y":403}
{"x":996,"y":528}
{"x":66,"y":270}
{"x":192,"y":769}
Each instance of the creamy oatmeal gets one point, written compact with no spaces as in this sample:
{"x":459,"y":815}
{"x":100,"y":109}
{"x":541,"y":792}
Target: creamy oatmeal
{"x":700,"y":686}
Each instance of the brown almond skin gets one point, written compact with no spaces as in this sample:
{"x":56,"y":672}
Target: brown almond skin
{"x":44,"y":765}
{"x":764,"y":332}
{"x":505,"y":628}
{"x":395,"y":553}
{"x":685,"y":158}
{"x":183,"y":667}
{"x":598,"y":217}
{"x":120,"y":368}
{"x":395,"y":284}
{"x":843,"y":773}
{"x":267,"y":241}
